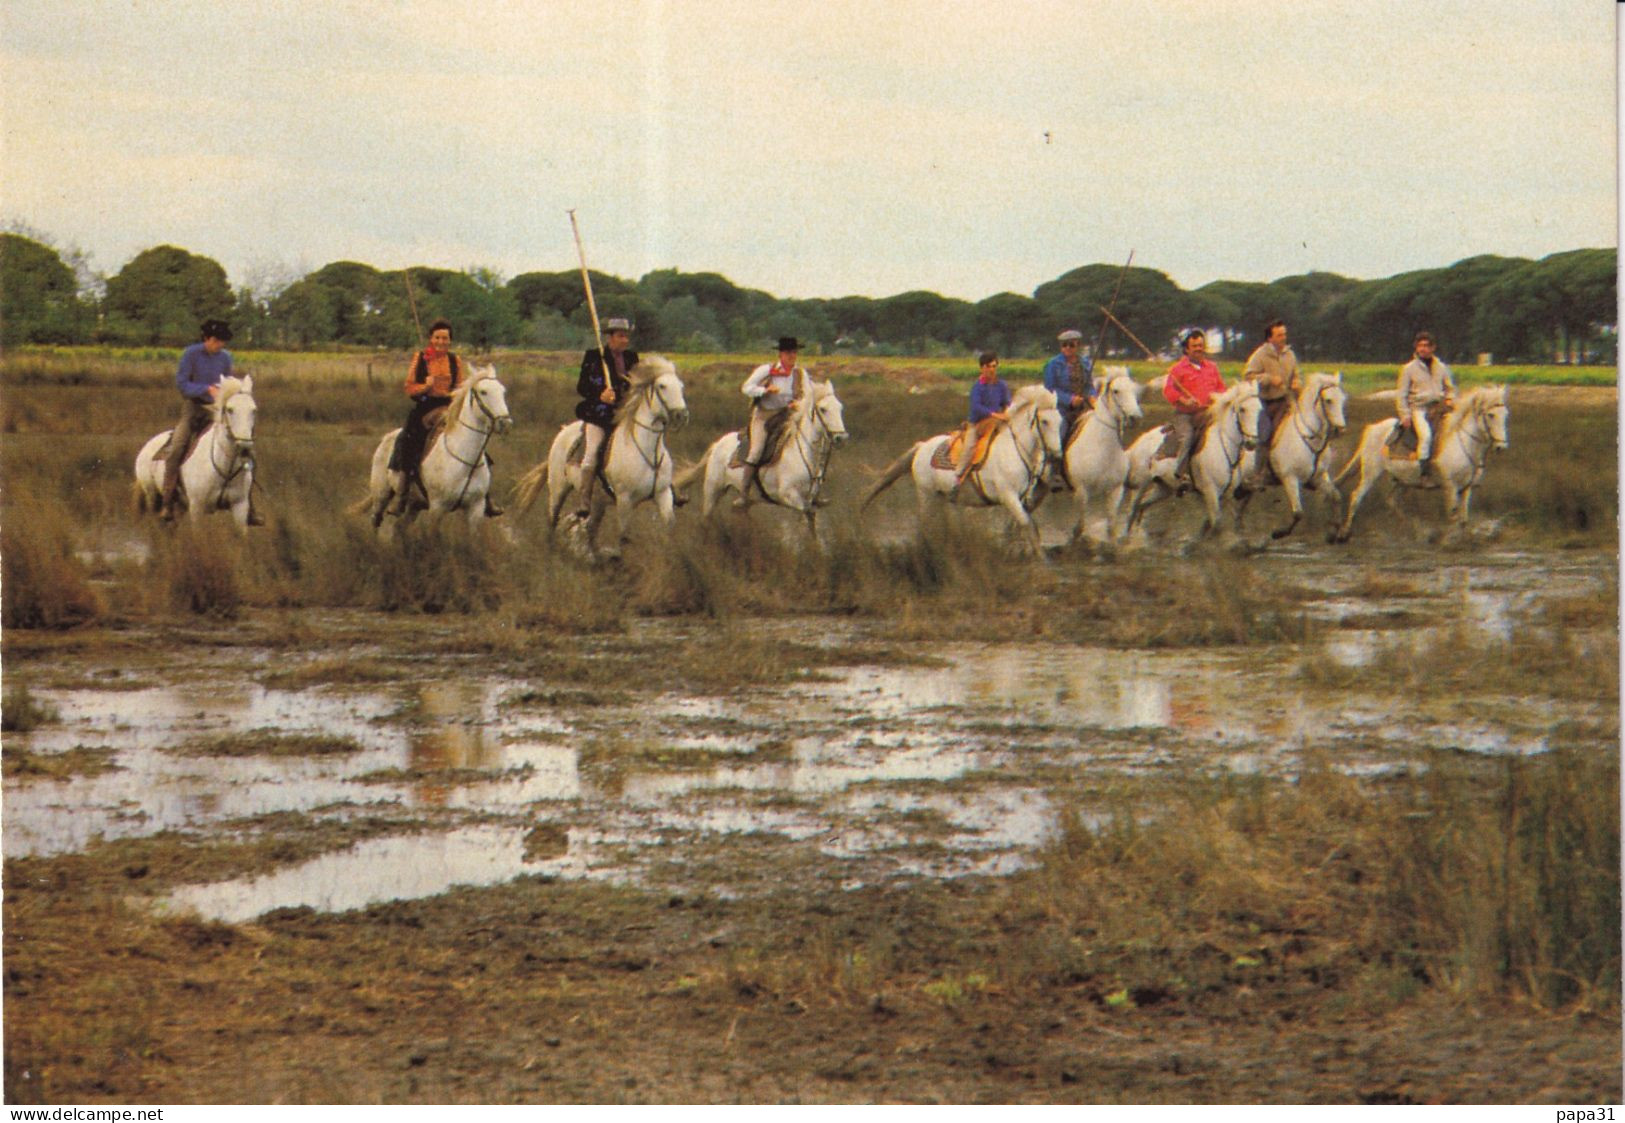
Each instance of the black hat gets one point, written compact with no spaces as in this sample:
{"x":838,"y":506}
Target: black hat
{"x":788,"y":343}
{"x":215,"y":329}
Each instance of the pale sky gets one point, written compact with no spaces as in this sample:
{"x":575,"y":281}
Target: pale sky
{"x":814,"y":147}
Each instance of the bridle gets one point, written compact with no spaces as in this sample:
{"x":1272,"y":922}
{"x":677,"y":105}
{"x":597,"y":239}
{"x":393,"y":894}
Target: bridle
{"x":486,"y":432}
{"x":652,"y":392}
{"x":816,"y":476}
{"x":1247,"y":439}
{"x":1326,"y":432}
{"x":242,"y":454}
{"x":1475,"y":455}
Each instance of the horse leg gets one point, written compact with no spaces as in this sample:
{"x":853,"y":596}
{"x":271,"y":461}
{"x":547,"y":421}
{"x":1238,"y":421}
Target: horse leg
{"x":1294,"y":499}
{"x":1083,"y":513}
{"x":1142,"y":504}
{"x":1212,"y":501}
{"x":665,"y":506}
{"x":1355,"y":497}
{"x":1114,"y":512}
{"x":1242,"y":497}
{"x":1012,"y":503}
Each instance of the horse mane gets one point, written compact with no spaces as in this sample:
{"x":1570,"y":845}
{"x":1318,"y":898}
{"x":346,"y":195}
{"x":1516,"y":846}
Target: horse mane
{"x":1031,"y":398}
{"x":1231,"y":398}
{"x":650,"y":369}
{"x":1474,"y":401}
{"x":229,"y":388}
{"x":459,"y":396}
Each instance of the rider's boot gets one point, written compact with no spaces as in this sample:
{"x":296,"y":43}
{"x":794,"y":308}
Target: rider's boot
{"x":402,"y":497}
{"x":749,"y":481}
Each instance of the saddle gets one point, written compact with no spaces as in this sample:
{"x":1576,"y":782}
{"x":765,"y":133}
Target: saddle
{"x":1402,"y":443}
{"x":1279,"y":410}
{"x":192,"y":442}
{"x":1169,"y":449}
{"x":946,"y":458}
{"x":435,"y":423}
{"x":778,"y":433}
{"x":1077,"y":427}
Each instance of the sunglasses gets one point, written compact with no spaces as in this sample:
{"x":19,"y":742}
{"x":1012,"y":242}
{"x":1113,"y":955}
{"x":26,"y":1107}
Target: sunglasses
{"x":1070,"y":343}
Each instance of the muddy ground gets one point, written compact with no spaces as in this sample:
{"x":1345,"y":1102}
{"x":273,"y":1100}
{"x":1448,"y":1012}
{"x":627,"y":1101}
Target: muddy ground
{"x":351,"y":856}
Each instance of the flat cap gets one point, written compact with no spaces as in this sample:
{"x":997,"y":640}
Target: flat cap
{"x":1069,"y":335}
{"x":618,"y":323}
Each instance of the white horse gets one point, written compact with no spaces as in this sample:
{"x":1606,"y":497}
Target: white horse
{"x":636,"y":464}
{"x":796,"y":478}
{"x":1461,"y":445}
{"x":1215,"y":467}
{"x":1016,"y":459}
{"x":454,"y":473}
{"x":220,"y":469}
{"x":1096,"y":462}
{"x":1298,"y":454}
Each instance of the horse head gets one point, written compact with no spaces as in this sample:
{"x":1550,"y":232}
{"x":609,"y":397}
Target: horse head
{"x":1121,"y":395}
{"x":655,"y":381}
{"x":1046,"y":418}
{"x":489,"y":398}
{"x":825,"y":408}
{"x":1325,"y":393}
{"x":1495,"y":411}
{"x":1243,"y":402}
{"x":235,"y":409}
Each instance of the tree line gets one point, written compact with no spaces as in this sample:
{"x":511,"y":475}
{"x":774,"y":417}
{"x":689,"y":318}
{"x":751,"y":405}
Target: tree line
{"x":1560,"y":308}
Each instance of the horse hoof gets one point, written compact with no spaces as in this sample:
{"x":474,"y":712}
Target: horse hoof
{"x":1280,"y":533}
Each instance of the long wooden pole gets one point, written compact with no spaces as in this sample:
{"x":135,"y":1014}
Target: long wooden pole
{"x":592,"y":307}
{"x":1100,"y":340}
{"x":413,"y":301}
{"x":1148,"y":352}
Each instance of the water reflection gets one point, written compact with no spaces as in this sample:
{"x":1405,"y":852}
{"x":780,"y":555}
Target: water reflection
{"x":379,"y":870}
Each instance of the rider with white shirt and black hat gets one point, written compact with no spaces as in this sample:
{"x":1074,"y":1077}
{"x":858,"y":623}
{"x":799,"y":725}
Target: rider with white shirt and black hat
{"x":771,"y":388}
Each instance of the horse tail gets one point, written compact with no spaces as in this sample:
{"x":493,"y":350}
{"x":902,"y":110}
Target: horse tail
{"x":693,"y":472}
{"x":138,"y":495}
{"x":894,"y":472}
{"x":1350,"y":466}
{"x":361,"y":506}
{"x":530,"y":487}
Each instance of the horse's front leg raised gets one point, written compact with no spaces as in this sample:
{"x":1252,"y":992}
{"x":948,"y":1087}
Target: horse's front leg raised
{"x":666,"y":506}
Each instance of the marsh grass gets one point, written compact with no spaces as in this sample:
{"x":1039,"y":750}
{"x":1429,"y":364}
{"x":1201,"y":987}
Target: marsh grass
{"x":1476,"y":878}
{"x":1465,"y":661}
{"x":43,"y":582}
{"x":78,"y":761}
{"x":22,"y":712}
{"x":334,"y":672}
{"x":266,"y":742}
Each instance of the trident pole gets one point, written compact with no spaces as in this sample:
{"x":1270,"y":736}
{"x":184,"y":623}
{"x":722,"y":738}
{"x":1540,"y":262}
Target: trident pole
{"x":1100,"y":340}
{"x":592,"y":307}
{"x":413,"y":301}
